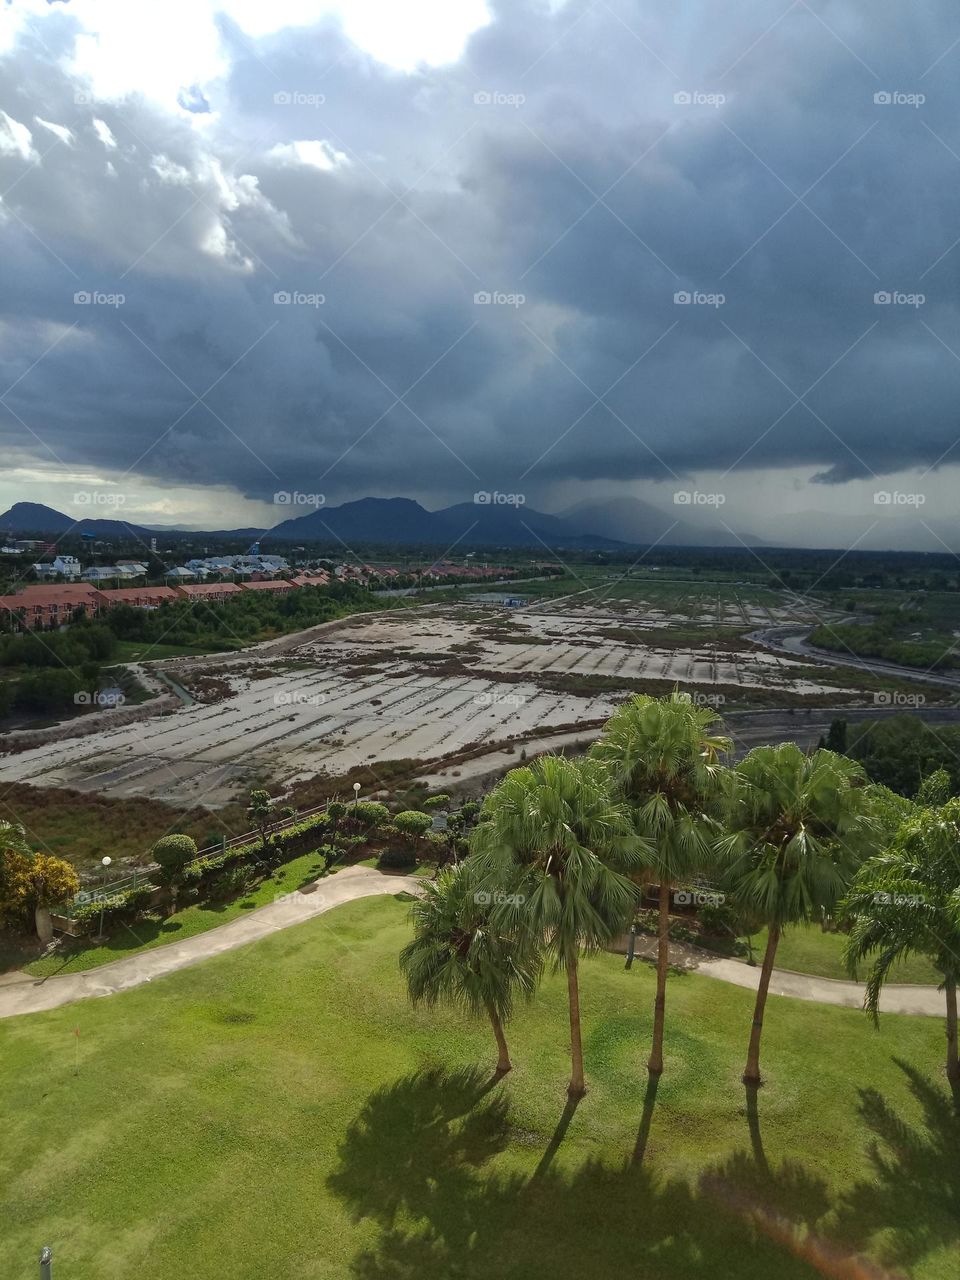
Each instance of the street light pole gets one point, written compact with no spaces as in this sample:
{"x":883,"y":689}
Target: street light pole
{"x":46,"y":1263}
{"x":104,"y":862}
{"x":356,"y":796}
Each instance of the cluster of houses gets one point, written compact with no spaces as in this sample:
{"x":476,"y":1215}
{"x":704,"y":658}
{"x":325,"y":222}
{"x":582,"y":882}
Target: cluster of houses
{"x":211,"y":580}
{"x":50,"y":606}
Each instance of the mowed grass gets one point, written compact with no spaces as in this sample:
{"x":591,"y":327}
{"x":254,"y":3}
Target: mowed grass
{"x":281,"y":1110}
{"x":807,"y":949}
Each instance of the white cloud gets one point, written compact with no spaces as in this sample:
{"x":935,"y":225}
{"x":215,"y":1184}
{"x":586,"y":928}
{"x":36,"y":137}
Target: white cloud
{"x":309,"y":151}
{"x":103,"y":132}
{"x":58,"y":130}
{"x":15,"y":138}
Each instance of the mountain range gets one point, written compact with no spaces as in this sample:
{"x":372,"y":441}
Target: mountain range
{"x":401,"y":521}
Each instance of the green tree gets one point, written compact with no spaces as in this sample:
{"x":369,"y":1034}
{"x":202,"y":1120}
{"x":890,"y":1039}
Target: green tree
{"x":172,"y":853}
{"x":459,"y":954}
{"x":260,"y":813}
{"x":837,"y":736}
{"x":412,"y":823}
{"x":934,"y":790}
{"x":665,"y":763}
{"x":798,"y":827}
{"x":555,"y":848}
{"x":906,"y":901}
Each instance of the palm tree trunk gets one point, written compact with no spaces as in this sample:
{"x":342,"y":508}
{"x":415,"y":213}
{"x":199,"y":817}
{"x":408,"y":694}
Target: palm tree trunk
{"x":953,"y":1060}
{"x":577,"y":1087}
{"x":752,"y":1073}
{"x":655,"y":1065}
{"x":503,"y":1061}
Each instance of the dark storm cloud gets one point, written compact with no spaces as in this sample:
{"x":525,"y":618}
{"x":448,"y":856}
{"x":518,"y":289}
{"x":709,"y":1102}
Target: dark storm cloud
{"x":558,"y":161}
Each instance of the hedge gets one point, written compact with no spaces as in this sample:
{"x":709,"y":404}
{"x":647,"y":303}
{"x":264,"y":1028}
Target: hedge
{"x":118,"y":908}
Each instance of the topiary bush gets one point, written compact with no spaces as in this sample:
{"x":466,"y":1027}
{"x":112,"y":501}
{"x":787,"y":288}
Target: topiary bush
{"x":398,"y":857}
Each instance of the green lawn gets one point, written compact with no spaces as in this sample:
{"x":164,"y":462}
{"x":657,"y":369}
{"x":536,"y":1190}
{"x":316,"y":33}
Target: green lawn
{"x":808,"y":949}
{"x":147,"y":651}
{"x":282,"y":1111}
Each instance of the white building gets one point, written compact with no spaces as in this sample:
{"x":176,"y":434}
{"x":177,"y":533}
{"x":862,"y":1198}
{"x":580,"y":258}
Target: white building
{"x":68,"y":566}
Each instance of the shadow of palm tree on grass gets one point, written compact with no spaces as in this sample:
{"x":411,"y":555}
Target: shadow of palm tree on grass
{"x":415,"y":1161}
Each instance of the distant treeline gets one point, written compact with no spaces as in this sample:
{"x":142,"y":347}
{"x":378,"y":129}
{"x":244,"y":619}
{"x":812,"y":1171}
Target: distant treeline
{"x":901,"y":751}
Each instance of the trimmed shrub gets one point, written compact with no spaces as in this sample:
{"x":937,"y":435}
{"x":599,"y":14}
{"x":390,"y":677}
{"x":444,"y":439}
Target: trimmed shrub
{"x":117,"y":908}
{"x":412,"y":823}
{"x":172,"y":853}
{"x":436,"y":802}
{"x":369,"y":813}
{"x":397,"y":858}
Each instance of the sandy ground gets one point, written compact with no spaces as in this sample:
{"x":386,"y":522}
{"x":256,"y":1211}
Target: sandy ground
{"x":416,"y":684}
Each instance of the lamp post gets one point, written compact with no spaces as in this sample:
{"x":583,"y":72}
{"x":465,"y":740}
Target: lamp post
{"x":105,"y":863}
{"x":356,"y":795}
{"x":46,"y":1263}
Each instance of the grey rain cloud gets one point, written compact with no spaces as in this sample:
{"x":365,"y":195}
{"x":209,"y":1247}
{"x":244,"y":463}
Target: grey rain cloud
{"x":704,"y":232}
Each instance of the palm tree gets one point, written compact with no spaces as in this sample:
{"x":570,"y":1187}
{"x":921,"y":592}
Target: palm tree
{"x":459,"y":954}
{"x":666,"y":763}
{"x":905,"y":901}
{"x":798,"y":827}
{"x":553,"y":846}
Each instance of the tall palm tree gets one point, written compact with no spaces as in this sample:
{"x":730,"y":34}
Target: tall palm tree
{"x":905,"y":901}
{"x":459,"y":954}
{"x":556,"y":848}
{"x":798,"y":827}
{"x":665,"y":763}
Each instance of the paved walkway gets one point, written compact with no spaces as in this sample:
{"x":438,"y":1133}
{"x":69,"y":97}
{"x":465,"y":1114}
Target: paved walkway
{"x":926,"y":1001}
{"x":22,"y":993}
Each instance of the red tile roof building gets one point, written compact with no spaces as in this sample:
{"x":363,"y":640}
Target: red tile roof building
{"x":50,"y":606}
{"x":139,"y":597}
{"x":210,"y":591}
{"x":279,"y":585}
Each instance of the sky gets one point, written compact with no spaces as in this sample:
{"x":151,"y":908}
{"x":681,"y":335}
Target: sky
{"x":577,"y":251}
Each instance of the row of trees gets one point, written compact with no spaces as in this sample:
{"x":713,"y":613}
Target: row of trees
{"x":563,"y":848}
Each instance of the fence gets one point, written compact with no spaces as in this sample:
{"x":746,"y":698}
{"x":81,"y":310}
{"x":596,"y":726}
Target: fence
{"x":141,"y":877}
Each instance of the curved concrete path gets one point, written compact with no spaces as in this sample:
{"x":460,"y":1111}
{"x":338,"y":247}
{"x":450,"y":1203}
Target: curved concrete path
{"x":925,"y":1001}
{"x":22,"y":993}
